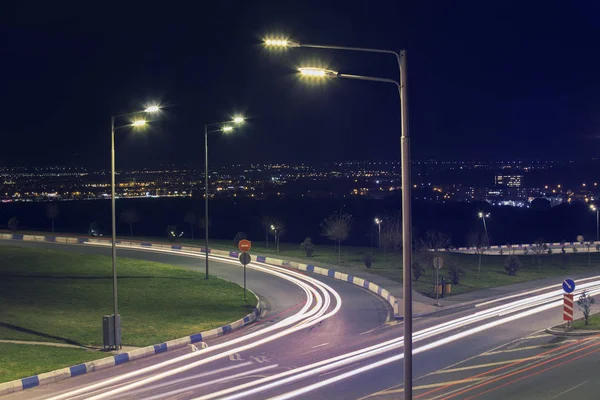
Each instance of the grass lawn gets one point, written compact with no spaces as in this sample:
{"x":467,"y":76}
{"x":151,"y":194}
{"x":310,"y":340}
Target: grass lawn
{"x":21,"y":360}
{"x":594,"y":323}
{"x":390,"y":264}
{"x":57,"y":296}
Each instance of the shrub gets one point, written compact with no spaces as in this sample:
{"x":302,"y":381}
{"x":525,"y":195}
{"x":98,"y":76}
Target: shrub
{"x":512,"y":264}
{"x":308,"y":247}
{"x":238,"y":237}
{"x":455,"y":272}
{"x":585,"y":302}
{"x":367,"y":258}
{"x":13,"y":224}
{"x":417,"y":270}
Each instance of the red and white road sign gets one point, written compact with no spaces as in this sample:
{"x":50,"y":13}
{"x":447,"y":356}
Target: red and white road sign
{"x":567,"y":307}
{"x":244,"y":245}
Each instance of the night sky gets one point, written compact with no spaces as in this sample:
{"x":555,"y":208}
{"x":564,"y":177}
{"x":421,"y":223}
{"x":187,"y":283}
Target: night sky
{"x":487,"y":79}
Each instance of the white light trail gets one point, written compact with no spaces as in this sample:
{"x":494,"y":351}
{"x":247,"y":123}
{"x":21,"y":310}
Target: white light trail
{"x":315,"y":289}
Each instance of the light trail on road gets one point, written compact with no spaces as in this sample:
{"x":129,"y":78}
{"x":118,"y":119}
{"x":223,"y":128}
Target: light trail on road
{"x":322,"y":302}
{"x":317,"y":292}
{"x":549,"y":300}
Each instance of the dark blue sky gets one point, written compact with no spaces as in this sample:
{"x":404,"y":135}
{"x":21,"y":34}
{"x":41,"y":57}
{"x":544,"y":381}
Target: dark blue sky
{"x":488,"y":79}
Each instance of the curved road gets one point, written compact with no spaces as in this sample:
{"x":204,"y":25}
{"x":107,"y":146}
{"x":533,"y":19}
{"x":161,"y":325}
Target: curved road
{"x":319,"y":339}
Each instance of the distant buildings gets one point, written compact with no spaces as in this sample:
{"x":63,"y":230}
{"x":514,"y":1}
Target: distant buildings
{"x":509,"y":180}
{"x":506,"y":183}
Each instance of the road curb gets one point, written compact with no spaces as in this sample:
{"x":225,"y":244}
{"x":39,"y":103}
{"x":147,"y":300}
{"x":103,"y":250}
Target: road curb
{"x":378,"y":290}
{"x":554,"y":331}
{"x":121,"y":358}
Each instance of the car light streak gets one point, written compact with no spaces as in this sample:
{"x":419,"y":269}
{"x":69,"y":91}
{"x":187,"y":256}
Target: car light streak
{"x":322,"y":299}
{"x":339,"y":361}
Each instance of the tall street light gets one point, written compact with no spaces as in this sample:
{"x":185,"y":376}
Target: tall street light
{"x":224,"y":127}
{"x":483,"y":216}
{"x":378,"y":223}
{"x":274,"y":229}
{"x":135,"y":124}
{"x":406,"y":175}
{"x":597,"y":209}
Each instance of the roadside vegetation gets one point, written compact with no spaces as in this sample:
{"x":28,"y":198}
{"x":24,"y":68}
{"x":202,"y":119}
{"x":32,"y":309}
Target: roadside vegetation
{"x":56,"y":296}
{"x":467,"y":272}
{"x":22,"y":360}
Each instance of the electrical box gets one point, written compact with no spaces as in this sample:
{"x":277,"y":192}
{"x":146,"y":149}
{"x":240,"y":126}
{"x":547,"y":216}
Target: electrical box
{"x":108,"y":331}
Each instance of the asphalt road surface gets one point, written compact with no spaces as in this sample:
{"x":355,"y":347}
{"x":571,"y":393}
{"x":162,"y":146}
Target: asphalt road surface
{"x":325,"y":339}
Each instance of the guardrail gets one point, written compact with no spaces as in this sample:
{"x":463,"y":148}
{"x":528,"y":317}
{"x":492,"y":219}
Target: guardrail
{"x":520,"y":248}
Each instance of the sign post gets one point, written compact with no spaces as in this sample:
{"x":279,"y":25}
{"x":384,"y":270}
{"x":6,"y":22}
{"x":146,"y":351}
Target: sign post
{"x":438,"y":263}
{"x":244,"y":260}
{"x":568,"y":286}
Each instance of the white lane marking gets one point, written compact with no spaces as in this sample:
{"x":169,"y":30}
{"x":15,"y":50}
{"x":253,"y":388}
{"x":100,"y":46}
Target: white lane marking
{"x":568,"y":390}
{"x":176,"y":381}
{"x":213,"y":382}
{"x":335,"y":362}
{"x":320,"y":345}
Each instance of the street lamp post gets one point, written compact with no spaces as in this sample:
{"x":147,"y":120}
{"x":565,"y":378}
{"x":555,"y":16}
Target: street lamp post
{"x":406,"y":176}
{"x":483,"y":216}
{"x":378,"y":223}
{"x":274,"y":229}
{"x":135,"y":124}
{"x":597,"y":209}
{"x":225,"y":127}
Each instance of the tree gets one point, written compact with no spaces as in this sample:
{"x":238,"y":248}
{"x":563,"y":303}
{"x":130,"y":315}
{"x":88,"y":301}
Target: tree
{"x":367,"y":259}
{"x":308,"y":247}
{"x":94,"y":229}
{"x":478,"y":241}
{"x":417,"y":270}
{"x":13,"y":224}
{"x":512,"y":264}
{"x":585,"y":302}
{"x":540,"y":204}
{"x":391,"y":232}
{"x":190,"y":219}
{"x":455,"y":272}
{"x":337,"y":227}
{"x":565,"y":258}
{"x":538,"y":248}
{"x":510,"y":248}
{"x":52,"y":213}
{"x":588,"y":245}
{"x":130,"y":217}
{"x":239,"y":237}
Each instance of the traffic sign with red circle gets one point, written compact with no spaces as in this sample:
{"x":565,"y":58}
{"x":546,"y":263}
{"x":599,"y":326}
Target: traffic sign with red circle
{"x":244,"y":245}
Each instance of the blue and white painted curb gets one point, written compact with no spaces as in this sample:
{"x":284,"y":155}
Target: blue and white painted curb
{"x":81,"y":369}
{"x":380,"y":291}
